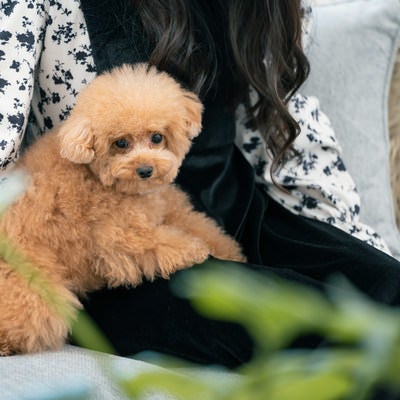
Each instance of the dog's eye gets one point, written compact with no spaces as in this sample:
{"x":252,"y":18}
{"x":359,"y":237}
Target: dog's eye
{"x":156,"y":138}
{"x":121,"y":143}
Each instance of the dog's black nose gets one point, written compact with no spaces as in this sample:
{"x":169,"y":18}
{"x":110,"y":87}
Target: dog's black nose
{"x":144,"y":171}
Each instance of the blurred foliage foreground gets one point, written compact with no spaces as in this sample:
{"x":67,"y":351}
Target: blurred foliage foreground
{"x":361,"y":351}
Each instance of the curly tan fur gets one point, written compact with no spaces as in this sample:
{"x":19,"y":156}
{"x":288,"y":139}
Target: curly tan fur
{"x":90,"y":216}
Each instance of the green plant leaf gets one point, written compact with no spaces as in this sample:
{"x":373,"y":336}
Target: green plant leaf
{"x":273,"y":312}
{"x":86,"y":333}
{"x":180,"y":386}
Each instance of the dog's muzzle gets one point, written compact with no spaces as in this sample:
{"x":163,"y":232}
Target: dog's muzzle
{"x":144,"y":171}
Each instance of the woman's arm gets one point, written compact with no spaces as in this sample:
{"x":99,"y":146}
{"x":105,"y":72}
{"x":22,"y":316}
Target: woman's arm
{"x":22,"y":28}
{"x":45,"y":59}
{"x":317,"y":183}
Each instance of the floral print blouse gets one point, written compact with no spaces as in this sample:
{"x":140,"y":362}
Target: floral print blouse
{"x":45,"y":60}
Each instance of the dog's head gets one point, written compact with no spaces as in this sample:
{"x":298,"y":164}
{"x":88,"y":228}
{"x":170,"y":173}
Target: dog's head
{"x":133,"y":127}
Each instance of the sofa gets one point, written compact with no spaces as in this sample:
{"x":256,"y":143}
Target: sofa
{"x":355,"y":61}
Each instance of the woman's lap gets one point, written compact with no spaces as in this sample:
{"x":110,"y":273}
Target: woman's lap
{"x":152,"y":317}
{"x":318,"y":250}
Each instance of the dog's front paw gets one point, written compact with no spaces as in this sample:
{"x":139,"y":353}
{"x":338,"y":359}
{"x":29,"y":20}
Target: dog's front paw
{"x":236,"y":257}
{"x":227,"y":249}
{"x":175,"y":250}
{"x":181,"y":255}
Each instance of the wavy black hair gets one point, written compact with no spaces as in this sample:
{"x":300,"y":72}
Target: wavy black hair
{"x":261,"y":46}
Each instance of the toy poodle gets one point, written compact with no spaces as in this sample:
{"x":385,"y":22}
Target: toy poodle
{"x":101,"y":208}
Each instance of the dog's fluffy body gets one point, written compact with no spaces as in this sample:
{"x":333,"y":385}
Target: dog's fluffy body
{"x":100,"y":208}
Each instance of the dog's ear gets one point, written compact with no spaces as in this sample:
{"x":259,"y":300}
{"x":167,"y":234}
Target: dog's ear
{"x":77,"y":140}
{"x":194,"y":110}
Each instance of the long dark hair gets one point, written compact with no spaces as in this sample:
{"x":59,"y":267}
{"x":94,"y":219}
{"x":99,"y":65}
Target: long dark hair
{"x":263,"y":39}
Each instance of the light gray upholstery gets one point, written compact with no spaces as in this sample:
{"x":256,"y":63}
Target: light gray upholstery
{"x":352,"y":52}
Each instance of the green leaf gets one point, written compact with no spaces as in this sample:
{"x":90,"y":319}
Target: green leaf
{"x":180,"y":386}
{"x":273,"y":312}
{"x":88,"y":335}
{"x":38,"y":281}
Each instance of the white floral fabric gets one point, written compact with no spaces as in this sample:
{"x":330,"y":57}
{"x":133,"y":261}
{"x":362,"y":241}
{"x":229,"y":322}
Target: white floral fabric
{"x":45,"y":60}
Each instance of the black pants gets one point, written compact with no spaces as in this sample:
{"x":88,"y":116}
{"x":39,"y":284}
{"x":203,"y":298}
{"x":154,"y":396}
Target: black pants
{"x":300,"y":249}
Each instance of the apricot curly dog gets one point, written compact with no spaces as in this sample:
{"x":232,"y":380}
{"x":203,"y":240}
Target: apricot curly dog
{"x":100,"y":208}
